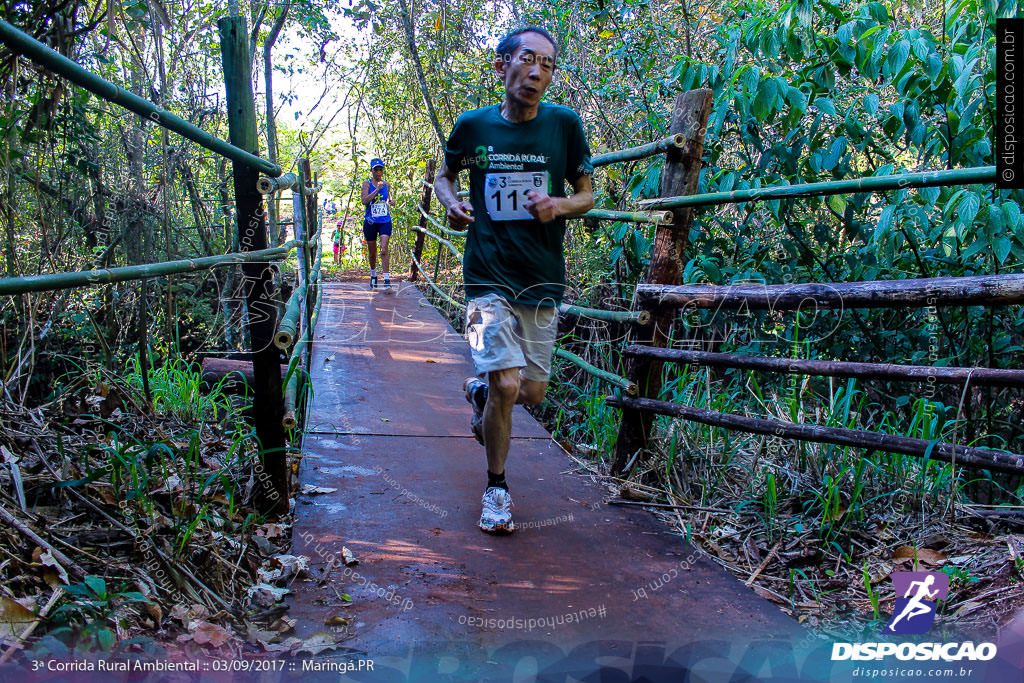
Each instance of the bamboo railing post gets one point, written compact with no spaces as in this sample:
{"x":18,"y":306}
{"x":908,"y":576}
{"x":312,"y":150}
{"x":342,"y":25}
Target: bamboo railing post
{"x":51,"y":282}
{"x":306,"y":227}
{"x":313,"y":255}
{"x":641,"y":152}
{"x":985,"y":175}
{"x":268,"y":404}
{"x":313,"y":212}
{"x":425,"y":206}
{"x":679,"y":177}
{"x":307,"y":288}
{"x":267,"y":185}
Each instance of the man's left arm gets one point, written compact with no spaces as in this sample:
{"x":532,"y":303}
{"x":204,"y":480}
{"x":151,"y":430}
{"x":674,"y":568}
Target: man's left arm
{"x":582,"y":199}
{"x":546,"y":208}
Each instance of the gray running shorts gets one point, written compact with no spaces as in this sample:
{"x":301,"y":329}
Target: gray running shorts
{"x":503,"y":335}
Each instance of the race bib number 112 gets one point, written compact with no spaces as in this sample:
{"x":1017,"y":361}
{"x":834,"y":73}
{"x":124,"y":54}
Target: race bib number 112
{"x":505,"y":193}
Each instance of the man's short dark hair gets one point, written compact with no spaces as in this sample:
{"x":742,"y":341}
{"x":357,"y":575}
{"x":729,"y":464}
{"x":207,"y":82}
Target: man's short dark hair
{"x":510,"y":43}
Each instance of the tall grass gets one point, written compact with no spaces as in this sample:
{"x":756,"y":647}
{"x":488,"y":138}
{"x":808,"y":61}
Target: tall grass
{"x":177,"y":387}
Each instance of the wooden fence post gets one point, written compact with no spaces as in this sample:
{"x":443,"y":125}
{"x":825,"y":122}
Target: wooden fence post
{"x":425,"y":205}
{"x":271,"y":493}
{"x":678,"y":177}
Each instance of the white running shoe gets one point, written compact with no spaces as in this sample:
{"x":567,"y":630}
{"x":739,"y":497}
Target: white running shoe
{"x":496,"y":517}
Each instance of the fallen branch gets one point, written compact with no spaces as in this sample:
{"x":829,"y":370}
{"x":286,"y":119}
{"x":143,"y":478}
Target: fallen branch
{"x":764,"y":564}
{"x":175,"y":567}
{"x":667,"y":506}
{"x":134,"y":534}
{"x":67,"y":563}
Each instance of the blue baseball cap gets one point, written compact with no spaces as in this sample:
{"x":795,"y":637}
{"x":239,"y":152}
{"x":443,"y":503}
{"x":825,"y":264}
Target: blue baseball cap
{"x":374,"y":163}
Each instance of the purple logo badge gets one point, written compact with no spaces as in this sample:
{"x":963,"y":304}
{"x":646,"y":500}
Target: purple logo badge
{"x":917,"y":594}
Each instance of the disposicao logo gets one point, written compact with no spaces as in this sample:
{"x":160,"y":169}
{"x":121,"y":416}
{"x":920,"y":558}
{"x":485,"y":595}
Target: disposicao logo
{"x":917,"y":596}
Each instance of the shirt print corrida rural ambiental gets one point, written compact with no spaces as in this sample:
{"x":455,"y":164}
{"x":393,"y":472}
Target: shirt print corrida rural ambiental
{"x":509,"y":252}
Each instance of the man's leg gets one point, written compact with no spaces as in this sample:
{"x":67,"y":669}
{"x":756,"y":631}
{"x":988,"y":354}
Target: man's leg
{"x":505,"y":389}
{"x":502,"y":394}
{"x":491,"y":332}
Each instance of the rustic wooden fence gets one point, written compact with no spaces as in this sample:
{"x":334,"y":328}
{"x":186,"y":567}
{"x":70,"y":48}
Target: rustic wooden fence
{"x":275,"y":399}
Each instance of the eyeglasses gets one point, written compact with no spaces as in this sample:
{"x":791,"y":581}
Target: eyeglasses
{"x":546,"y":63}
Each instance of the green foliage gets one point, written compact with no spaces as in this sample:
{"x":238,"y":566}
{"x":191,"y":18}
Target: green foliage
{"x":178,"y":388}
{"x":872,"y":593}
{"x":87,"y":619}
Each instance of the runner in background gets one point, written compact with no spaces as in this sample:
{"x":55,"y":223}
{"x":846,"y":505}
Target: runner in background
{"x":376,"y":196}
{"x":338,"y":238}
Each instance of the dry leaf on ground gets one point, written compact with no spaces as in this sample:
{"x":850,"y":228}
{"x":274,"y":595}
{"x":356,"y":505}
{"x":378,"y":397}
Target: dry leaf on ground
{"x":210,"y":634}
{"x":924,"y":556}
{"x":310,"y":490}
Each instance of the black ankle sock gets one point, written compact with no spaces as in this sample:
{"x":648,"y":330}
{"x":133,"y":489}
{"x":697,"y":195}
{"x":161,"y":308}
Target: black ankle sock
{"x":496,"y":480}
{"x":480,"y":396}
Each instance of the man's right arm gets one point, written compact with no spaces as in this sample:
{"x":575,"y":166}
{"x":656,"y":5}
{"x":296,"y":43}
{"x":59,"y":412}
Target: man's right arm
{"x":444,"y":185}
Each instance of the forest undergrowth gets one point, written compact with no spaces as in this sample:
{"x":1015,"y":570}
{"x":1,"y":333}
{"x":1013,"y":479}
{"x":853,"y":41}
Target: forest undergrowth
{"x":133,"y":527}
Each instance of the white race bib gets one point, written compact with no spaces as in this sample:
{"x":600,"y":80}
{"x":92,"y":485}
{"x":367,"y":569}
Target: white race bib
{"x":378,"y":209}
{"x":505,"y":193}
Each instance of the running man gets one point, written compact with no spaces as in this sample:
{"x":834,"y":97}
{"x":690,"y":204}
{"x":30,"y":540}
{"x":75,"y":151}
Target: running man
{"x":519,"y":155}
{"x":376,"y":195}
{"x":915,"y":606}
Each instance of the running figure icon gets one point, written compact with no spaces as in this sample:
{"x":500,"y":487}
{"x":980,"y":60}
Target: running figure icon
{"x":918,"y":594}
{"x":916,"y":607}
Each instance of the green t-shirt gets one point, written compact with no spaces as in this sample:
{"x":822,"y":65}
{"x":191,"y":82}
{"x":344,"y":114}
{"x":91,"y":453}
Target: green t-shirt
{"x":509,"y":252}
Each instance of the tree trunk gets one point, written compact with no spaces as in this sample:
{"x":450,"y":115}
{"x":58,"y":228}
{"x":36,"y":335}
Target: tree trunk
{"x":407,"y":24}
{"x":200,"y":215}
{"x":230,"y":238}
{"x":425,"y":205}
{"x":679,"y":177}
{"x":276,"y":234}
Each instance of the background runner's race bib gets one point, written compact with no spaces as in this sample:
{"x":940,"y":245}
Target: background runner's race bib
{"x":505,"y":193}
{"x":379,"y":209}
